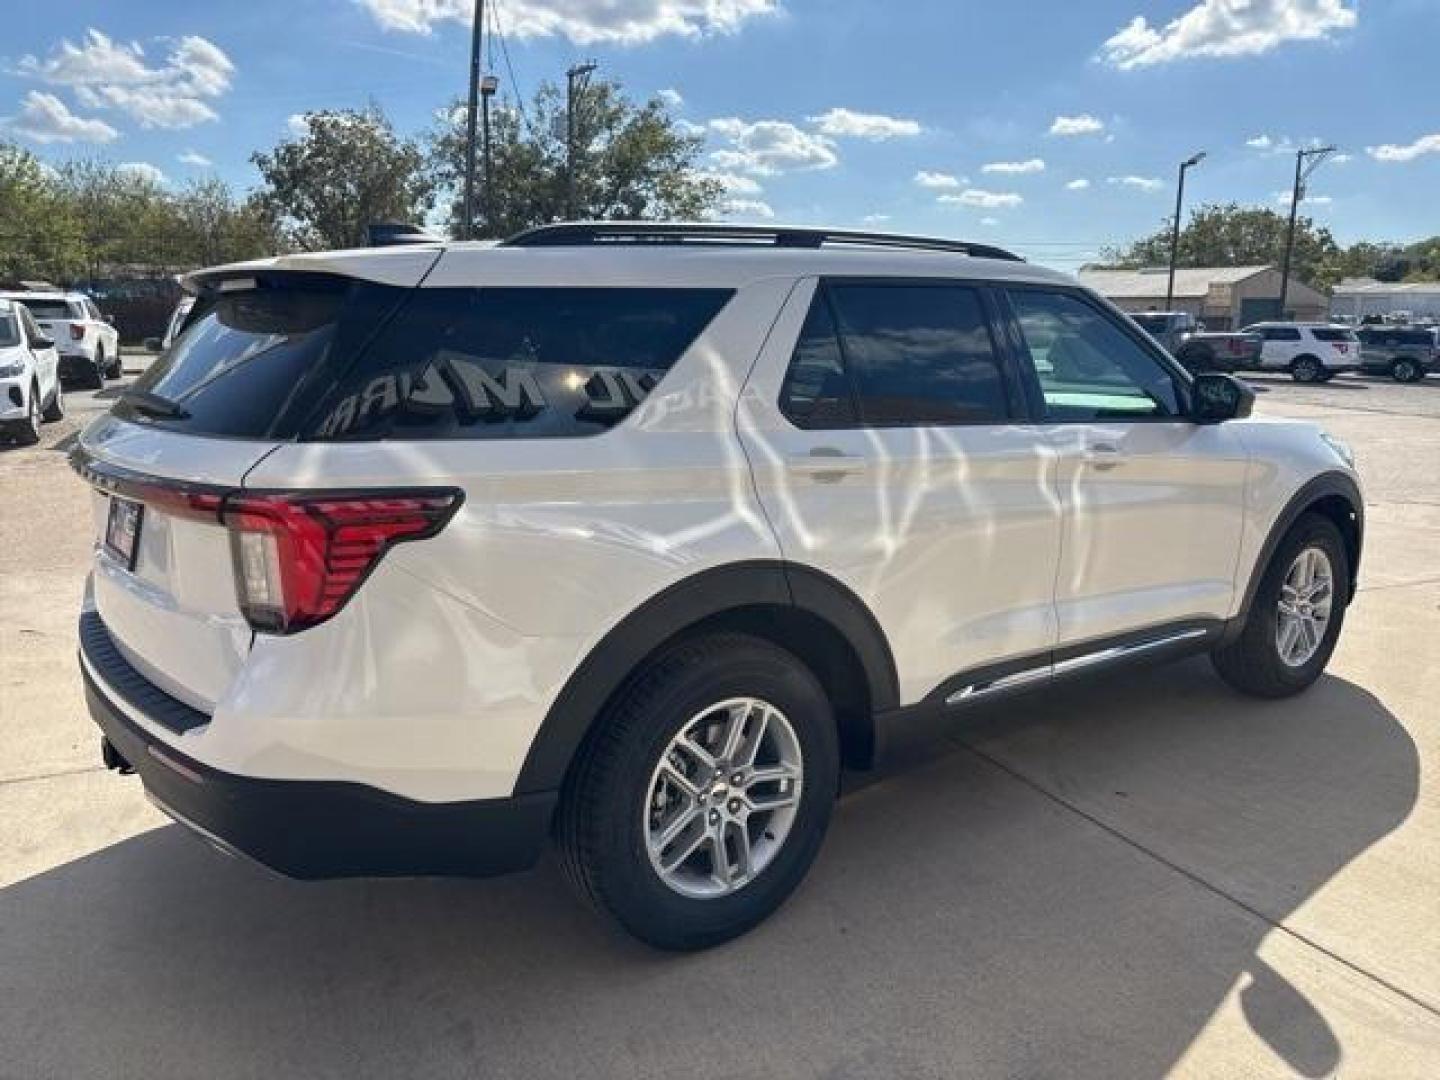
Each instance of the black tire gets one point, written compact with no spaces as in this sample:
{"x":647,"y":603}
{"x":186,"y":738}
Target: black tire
{"x":97,"y":378}
{"x":1306,"y":369}
{"x":1406,"y":370}
{"x":27,"y":431}
{"x":600,"y":828}
{"x":55,"y":407}
{"x":1252,"y":662}
{"x":117,"y":367}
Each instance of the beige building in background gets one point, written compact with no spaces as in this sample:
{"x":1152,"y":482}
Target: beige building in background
{"x":1224,"y":297}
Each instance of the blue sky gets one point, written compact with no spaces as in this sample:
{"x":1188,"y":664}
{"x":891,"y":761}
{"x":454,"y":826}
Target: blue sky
{"x":960,"y":117}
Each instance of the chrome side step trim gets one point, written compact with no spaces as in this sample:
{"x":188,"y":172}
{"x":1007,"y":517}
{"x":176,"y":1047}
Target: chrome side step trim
{"x":1043,"y":672}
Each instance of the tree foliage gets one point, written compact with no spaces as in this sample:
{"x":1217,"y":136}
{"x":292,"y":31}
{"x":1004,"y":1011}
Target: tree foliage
{"x":347,"y":171}
{"x":1234,"y":235}
{"x":632,"y":162}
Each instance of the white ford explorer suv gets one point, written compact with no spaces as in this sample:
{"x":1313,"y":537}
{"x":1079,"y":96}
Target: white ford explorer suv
{"x":88,"y":345}
{"x":631,"y":536}
{"x":1310,"y":352}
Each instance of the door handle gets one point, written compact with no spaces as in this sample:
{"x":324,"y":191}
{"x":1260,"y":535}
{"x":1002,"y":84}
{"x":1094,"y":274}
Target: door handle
{"x":825,"y":462}
{"x":1103,"y":456}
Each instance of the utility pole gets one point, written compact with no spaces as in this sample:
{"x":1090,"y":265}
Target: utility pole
{"x":488,"y":86}
{"x":467,"y":224}
{"x":1306,"y":162}
{"x":575,"y":81}
{"x":1189,"y":163}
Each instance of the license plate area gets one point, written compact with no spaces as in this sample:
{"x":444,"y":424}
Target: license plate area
{"x":122,"y":530}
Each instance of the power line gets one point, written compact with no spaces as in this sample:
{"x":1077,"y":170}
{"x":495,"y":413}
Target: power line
{"x":509,"y":67}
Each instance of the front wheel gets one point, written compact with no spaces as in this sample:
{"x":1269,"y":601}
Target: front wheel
{"x":116,"y":368}
{"x":1295,"y":616}
{"x":97,"y":379}
{"x":702,"y":796}
{"x":1306,"y":369}
{"x":55,"y":410}
{"x":27,"y":432}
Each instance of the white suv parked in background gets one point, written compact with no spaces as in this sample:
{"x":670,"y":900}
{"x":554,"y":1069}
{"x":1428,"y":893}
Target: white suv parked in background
{"x":88,"y":345}
{"x":409,"y":559}
{"x":1310,"y":352}
{"x":30,"y":389}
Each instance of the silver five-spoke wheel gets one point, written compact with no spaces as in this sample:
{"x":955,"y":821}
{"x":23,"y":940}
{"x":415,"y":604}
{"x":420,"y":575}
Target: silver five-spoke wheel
{"x":723,"y":797}
{"x":1304,"y":606}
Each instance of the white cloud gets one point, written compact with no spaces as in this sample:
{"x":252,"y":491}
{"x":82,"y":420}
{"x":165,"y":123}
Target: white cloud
{"x":297,"y":125}
{"x":927,"y":179}
{"x":190,"y":157}
{"x":46,"y":119}
{"x":875,"y":219}
{"x":1427,"y":144}
{"x":584,"y":22}
{"x":988,"y":200}
{"x":142,"y":170}
{"x":755,"y":208}
{"x":845,"y":123}
{"x":1226,"y":28}
{"x":1283,"y":197}
{"x":768,"y":147}
{"x":1079,"y":184}
{"x":1144,"y":183}
{"x":733,"y":183}
{"x":1342,"y":159}
{"x":1084,"y":124}
{"x":1260,"y":142}
{"x":989,"y":221}
{"x":671,"y":97}
{"x":1033,"y":165}
{"x":106,"y":74}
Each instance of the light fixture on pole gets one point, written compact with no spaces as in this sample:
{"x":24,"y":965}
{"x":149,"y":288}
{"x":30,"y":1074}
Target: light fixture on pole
{"x":488,"y":85}
{"x":1189,"y":163}
{"x":574,"y":81}
{"x":1306,"y":162}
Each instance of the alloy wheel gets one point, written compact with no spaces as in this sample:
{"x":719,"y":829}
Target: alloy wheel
{"x":723,"y":797}
{"x":1303,"y":610}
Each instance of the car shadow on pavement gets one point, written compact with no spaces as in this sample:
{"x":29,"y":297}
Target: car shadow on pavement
{"x":1068,"y":887}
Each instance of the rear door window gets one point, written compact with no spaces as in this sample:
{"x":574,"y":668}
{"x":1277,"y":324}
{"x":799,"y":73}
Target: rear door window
{"x":1279,"y":333}
{"x":1325,"y":333}
{"x":919,"y":354}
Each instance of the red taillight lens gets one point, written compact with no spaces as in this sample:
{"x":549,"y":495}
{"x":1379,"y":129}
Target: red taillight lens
{"x":77,"y":333}
{"x":298,"y":559}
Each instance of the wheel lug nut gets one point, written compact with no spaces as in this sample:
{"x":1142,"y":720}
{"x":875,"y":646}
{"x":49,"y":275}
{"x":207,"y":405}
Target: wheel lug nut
{"x":737,"y":779}
{"x":734,"y":806}
{"x":714,"y":817}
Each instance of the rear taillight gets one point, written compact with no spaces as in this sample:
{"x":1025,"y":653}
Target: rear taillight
{"x":298,"y":559}
{"x":77,"y":333}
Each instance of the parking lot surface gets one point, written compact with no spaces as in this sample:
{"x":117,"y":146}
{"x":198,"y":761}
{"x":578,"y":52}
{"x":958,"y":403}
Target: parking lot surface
{"x":1132,"y":876}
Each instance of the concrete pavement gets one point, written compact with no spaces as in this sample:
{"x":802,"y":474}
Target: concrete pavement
{"x":1128,"y":877}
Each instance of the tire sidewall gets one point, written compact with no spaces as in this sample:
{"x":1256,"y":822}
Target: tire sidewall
{"x":1403,"y":371}
{"x":1306,"y":370}
{"x":1310,"y":531}
{"x":630,"y":883}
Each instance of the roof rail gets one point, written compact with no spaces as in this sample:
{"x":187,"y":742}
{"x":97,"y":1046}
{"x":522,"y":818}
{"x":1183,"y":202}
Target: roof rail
{"x":639,"y":233}
{"x":396,"y":234}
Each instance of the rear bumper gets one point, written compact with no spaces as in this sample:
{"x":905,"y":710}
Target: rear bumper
{"x":304,"y":828}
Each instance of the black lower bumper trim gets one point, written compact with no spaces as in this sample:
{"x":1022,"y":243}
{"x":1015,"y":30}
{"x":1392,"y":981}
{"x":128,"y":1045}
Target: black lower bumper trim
{"x":327,"y":829}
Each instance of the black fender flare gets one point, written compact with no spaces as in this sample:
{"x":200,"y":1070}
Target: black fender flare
{"x":1325,"y":485}
{"x":679,"y":607}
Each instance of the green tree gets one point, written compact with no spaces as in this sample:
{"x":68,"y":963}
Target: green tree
{"x":39,"y":234}
{"x":1234,"y":235}
{"x":215,"y":226}
{"x":347,"y":171}
{"x":632,"y":162}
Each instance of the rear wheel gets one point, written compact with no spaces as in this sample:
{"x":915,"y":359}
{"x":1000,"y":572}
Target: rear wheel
{"x":55,"y":408}
{"x":1295,"y":615}
{"x":1306,"y":369}
{"x":1405,"y":369}
{"x":701,"y":799}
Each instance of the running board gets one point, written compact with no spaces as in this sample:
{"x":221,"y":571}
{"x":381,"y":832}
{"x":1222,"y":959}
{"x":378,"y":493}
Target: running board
{"x":1108,"y":655}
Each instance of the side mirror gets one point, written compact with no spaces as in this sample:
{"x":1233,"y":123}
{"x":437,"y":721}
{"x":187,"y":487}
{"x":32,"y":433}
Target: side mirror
{"x":43,"y":343}
{"x":1215,"y":398}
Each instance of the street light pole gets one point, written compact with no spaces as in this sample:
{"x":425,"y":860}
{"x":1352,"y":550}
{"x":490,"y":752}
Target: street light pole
{"x":488,"y":86}
{"x":573,"y":79}
{"x":1175,"y":228}
{"x":1302,"y":174}
{"x":467,"y":223}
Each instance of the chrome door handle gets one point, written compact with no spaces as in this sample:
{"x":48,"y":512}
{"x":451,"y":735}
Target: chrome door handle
{"x":1104,"y":455}
{"x":825,"y":462}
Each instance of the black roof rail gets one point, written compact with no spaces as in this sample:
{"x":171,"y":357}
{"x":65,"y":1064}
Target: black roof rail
{"x":397,"y":234}
{"x":585,"y":233}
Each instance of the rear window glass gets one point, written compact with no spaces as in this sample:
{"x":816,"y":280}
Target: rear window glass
{"x":53,"y":309}
{"x":1325,"y":333}
{"x":501,"y":363}
{"x":320,"y":358}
